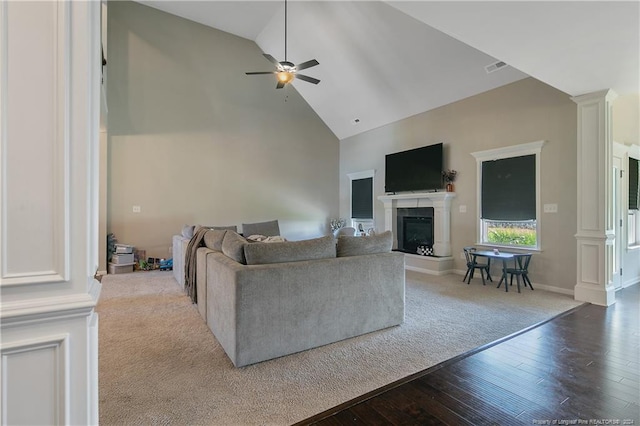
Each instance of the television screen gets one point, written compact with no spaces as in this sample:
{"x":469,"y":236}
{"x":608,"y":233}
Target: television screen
{"x":418,"y":169}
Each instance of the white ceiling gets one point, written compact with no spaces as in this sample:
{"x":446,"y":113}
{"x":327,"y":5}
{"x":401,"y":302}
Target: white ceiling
{"x":384,"y":61}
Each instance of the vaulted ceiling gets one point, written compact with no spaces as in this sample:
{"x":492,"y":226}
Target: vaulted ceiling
{"x":384,"y":61}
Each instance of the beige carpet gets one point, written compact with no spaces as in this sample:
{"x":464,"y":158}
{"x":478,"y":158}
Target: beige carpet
{"x":159,"y":364}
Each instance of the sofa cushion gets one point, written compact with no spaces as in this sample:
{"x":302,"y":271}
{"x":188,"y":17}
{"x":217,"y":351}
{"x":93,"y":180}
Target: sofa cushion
{"x":213,"y":239}
{"x":233,"y":246}
{"x":268,"y":229}
{"x":187,"y":231}
{"x":355,"y":246}
{"x":290,"y":251}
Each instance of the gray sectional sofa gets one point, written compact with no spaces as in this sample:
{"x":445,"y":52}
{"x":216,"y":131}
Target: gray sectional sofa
{"x":181,"y":241}
{"x":266,"y":300}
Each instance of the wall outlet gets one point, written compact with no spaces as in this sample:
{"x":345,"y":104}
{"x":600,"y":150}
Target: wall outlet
{"x":136,"y":209}
{"x":551,"y":208}
{"x":463,"y":208}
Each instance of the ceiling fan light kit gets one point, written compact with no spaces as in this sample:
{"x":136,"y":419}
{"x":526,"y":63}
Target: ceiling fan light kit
{"x":285,"y":77}
{"x":286,"y":71}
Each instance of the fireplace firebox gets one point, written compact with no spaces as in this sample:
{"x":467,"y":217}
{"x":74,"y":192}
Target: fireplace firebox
{"x":414,"y":228}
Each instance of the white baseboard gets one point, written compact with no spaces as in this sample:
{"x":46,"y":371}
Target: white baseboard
{"x":553,"y":289}
{"x":427,"y":271}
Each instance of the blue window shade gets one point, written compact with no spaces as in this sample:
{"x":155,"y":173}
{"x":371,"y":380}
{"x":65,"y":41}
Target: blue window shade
{"x":634,"y":189}
{"x":362,"y":198}
{"x":509,"y":189}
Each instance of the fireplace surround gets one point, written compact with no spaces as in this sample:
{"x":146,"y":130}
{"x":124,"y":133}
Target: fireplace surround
{"x":440,"y":205}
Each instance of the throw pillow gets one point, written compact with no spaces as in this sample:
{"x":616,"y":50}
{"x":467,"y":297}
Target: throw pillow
{"x":213,"y":239}
{"x":187,"y":231}
{"x":356,"y":246}
{"x":290,"y":251}
{"x":268,"y":229}
{"x":233,"y":246}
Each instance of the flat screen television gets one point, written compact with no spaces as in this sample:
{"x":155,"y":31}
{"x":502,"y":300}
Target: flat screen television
{"x":418,"y":169}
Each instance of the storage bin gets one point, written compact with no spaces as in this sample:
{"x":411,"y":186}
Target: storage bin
{"x":122,"y":259}
{"x":115,"y":268}
{"x":124,"y":249}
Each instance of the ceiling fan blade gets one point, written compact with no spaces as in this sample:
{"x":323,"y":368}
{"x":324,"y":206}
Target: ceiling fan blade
{"x":273,"y":60}
{"x":280,"y":85}
{"x":308,"y":64}
{"x":261,"y":72}
{"x":307,"y":78}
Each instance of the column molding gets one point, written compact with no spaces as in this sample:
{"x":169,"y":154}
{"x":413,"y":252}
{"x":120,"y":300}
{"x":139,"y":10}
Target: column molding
{"x":49,"y":124}
{"x":595,"y":233}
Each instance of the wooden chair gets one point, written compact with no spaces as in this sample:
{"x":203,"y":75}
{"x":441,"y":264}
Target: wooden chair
{"x":520,"y":269}
{"x":472,"y":265}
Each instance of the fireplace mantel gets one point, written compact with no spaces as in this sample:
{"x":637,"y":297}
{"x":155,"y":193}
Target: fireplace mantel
{"x":441,"y":203}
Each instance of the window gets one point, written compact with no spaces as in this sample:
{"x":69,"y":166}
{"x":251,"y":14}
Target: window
{"x":633,"y":222}
{"x":633,"y":228}
{"x":508,"y":195}
{"x":634,"y":188}
{"x":362,"y":199}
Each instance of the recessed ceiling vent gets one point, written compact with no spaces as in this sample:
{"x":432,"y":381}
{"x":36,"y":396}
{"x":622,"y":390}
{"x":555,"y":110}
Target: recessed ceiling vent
{"x":495,"y":66}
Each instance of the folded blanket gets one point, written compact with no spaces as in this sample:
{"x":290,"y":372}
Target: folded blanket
{"x":190,"y":258}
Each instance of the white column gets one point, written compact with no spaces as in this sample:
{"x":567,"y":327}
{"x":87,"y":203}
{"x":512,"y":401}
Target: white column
{"x":595,"y":234}
{"x":49,"y":113}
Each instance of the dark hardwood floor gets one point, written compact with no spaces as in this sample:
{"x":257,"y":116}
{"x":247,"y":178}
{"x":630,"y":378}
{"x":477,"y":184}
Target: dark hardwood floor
{"x":581,"y":367}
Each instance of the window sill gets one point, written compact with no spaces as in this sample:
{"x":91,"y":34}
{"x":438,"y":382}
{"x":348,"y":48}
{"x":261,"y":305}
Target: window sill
{"x":509,"y":248}
{"x":633,"y":247}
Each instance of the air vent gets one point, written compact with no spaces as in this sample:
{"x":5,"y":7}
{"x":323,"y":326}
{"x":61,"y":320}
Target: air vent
{"x":495,"y":67}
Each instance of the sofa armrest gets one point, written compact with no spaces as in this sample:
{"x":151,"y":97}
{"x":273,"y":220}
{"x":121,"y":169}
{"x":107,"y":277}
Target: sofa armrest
{"x":201,"y":279}
{"x":178,"y":251}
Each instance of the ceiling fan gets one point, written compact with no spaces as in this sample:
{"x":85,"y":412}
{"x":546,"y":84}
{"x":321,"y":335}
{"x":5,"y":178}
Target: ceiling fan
{"x":286,"y":71}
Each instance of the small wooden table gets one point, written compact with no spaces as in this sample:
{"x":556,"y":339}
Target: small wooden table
{"x":500,"y":256}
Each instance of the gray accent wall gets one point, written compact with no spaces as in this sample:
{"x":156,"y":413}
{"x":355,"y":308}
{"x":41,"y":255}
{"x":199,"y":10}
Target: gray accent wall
{"x":521,"y":112}
{"x":193,"y":140}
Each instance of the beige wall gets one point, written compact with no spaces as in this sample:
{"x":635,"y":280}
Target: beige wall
{"x":626,"y":119}
{"x":525,"y":111}
{"x":193,"y":140}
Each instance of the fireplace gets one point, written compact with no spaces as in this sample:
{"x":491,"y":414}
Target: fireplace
{"x":411,"y":205}
{"x":414,"y":228}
